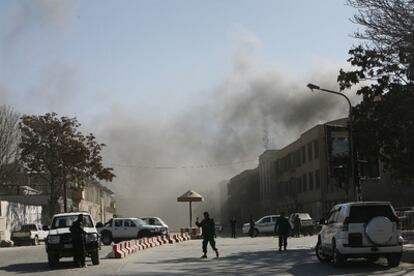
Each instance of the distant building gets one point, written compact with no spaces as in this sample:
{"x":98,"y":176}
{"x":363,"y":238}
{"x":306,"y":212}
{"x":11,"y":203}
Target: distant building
{"x":94,"y":198}
{"x":244,"y":198}
{"x":267,"y":181}
{"x":304,"y":182}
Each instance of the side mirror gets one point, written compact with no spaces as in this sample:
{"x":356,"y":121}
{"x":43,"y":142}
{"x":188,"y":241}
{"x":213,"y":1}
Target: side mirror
{"x":45,"y":228}
{"x":322,"y":221}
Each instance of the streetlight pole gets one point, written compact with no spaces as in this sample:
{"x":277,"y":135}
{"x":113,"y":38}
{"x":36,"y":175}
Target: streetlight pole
{"x":352,"y":150}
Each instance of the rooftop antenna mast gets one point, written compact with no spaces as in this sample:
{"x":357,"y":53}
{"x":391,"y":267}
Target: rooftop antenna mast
{"x":265,"y":138}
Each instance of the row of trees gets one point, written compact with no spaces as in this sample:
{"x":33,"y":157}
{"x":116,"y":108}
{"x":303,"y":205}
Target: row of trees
{"x":383,"y":72}
{"x":52,"y":148}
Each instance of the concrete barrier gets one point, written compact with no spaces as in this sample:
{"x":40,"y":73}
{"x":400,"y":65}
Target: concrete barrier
{"x":125,"y":248}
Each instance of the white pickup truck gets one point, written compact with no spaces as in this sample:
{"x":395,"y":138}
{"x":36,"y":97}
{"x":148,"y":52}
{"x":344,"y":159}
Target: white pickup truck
{"x":118,"y":229}
{"x":29,"y":233}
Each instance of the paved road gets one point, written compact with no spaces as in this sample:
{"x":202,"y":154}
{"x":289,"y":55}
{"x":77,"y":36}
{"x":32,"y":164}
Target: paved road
{"x":243,"y":256}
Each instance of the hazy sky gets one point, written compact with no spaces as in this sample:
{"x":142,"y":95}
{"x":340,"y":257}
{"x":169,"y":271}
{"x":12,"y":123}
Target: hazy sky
{"x":137,"y":53}
{"x":176,"y":82}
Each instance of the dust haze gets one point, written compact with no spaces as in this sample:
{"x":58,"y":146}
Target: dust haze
{"x":156,"y":160}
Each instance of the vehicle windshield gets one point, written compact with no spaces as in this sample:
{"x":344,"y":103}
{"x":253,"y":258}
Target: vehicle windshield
{"x":67,"y":221}
{"x":28,"y":227}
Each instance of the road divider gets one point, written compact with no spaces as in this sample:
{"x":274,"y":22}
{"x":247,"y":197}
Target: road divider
{"x":125,"y":248}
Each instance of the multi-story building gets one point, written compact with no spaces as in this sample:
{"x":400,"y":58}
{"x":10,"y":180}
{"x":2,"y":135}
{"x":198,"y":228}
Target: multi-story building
{"x":304,"y":170}
{"x":267,"y":180}
{"x":243,"y":192}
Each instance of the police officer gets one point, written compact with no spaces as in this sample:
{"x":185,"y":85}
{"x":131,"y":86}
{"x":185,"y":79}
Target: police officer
{"x":282,"y":228}
{"x":208,"y":232}
{"x":78,"y":241}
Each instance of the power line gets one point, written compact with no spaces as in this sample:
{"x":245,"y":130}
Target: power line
{"x":178,"y":167}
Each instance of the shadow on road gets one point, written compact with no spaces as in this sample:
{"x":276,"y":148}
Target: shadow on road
{"x":28,"y":268}
{"x":292,"y":262}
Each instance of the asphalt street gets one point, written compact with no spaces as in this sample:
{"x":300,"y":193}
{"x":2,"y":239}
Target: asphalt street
{"x":242,"y":256}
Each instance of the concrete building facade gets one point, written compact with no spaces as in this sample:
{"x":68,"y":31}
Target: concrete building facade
{"x":244,"y":198}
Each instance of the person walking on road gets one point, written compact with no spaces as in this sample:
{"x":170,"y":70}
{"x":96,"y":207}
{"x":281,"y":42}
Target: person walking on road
{"x":233,"y":227}
{"x":78,"y":241}
{"x":208,"y":232}
{"x":252,"y":228}
{"x":282,"y":228}
{"x":297,"y":225}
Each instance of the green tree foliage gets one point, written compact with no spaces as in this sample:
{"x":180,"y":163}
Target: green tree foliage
{"x":383,"y":70}
{"x":53,"y":148}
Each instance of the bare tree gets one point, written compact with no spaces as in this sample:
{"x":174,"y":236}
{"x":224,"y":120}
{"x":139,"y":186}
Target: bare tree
{"x":388,"y":26}
{"x":9,"y":140}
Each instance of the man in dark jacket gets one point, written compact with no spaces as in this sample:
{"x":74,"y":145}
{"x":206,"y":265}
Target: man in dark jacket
{"x":208,"y":232}
{"x":78,"y":241}
{"x":233,"y":227}
{"x":282,"y":228}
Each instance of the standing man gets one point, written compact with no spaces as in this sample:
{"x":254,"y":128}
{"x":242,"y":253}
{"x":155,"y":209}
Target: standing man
{"x":297,"y":225}
{"x":251,"y":229}
{"x":78,"y":241}
{"x":208,"y":232}
{"x":282,"y":228}
{"x":233,"y":227}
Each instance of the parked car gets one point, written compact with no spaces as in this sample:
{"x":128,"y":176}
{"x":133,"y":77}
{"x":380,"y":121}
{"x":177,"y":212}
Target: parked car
{"x":306,"y":221}
{"x":360,"y":230}
{"x":156,"y":221}
{"x":29,"y":233}
{"x":218,"y":227}
{"x":265,"y":225}
{"x":59,"y":239}
{"x":118,"y":229}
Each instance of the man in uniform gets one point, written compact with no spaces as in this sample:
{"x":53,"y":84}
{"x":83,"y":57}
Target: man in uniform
{"x":282,"y":228}
{"x":78,"y":241}
{"x":208,"y":232}
{"x":233,"y":227}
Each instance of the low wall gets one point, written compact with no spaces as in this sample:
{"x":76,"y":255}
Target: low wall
{"x":14,"y":214}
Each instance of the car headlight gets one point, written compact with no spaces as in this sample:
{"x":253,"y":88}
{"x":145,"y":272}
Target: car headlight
{"x":91,"y":238}
{"x":53,"y":239}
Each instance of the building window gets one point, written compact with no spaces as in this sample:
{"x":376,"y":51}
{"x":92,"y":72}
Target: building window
{"x":309,"y":151}
{"x":304,"y":183}
{"x":316,"y":149}
{"x":303,"y":155}
{"x":310,"y":181}
{"x":317,"y":179}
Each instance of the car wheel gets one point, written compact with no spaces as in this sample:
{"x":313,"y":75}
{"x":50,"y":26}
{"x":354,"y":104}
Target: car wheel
{"x":106,"y":238}
{"x":53,"y":260}
{"x":95,"y":257}
{"x":256,"y":232}
{"x":35,"y":241}
{"x":319,"y":254}
{"x":394,"y":260}
{"x":337,"y":258}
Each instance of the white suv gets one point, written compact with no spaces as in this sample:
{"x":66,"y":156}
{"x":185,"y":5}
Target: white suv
{"x":360,"y":230}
